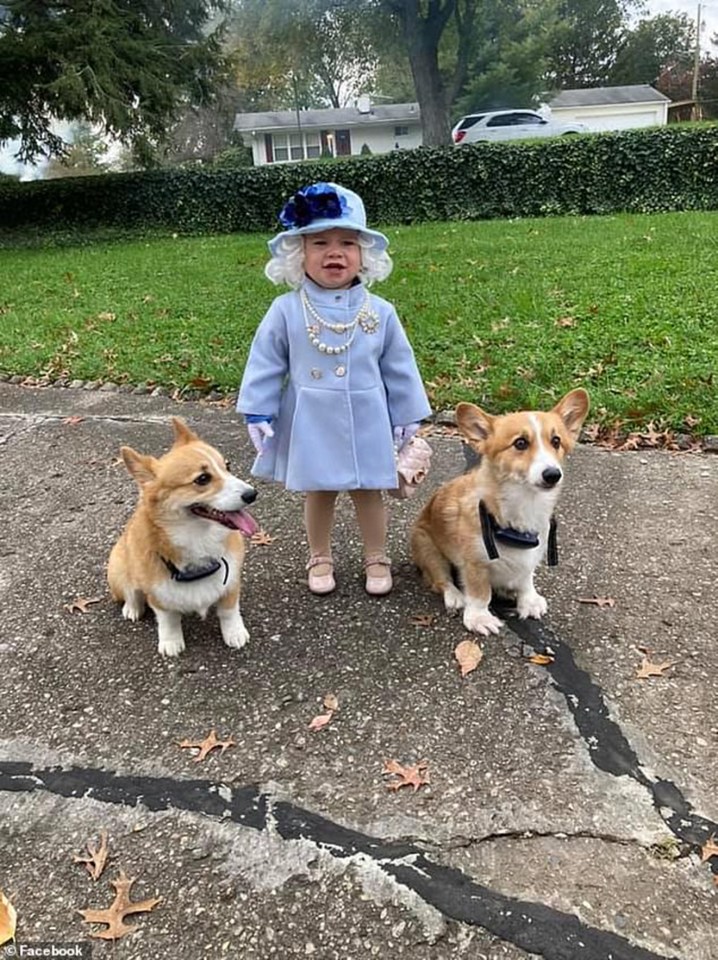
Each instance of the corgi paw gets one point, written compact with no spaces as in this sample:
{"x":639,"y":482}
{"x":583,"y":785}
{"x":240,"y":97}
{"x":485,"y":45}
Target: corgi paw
{"x":481,"y":620}
{"x":532,"y":605}
{"x":237,"y":637}
{"x":132,"y":610}
{"x":453,"y":598}
{"x":171,"y":646}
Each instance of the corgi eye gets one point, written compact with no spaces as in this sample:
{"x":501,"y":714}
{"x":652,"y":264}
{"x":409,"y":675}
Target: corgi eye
{"x":203,"y":479}
{"x":555,"y":442}
{"x":521,"y":443}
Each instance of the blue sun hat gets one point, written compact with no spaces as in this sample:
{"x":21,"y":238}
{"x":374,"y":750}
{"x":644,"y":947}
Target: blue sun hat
{"x":324,"y":206}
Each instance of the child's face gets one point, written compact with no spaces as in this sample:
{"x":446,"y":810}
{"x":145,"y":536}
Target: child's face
{"x":332,"y":258}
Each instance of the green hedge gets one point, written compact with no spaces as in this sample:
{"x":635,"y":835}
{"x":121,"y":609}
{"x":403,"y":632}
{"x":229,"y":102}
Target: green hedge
{"x":661,"y":169}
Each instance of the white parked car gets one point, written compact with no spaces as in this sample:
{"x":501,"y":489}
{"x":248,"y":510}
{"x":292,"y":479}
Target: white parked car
{"x":510,"y":125}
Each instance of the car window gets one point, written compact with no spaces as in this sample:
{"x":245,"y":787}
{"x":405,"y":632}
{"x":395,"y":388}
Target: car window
{"x":502,"y":120}
{"x":468,"y":122}
{"x":527,"y":118}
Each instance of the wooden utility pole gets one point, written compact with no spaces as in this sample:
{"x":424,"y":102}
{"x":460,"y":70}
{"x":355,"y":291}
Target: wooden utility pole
{"x":695,"y":109}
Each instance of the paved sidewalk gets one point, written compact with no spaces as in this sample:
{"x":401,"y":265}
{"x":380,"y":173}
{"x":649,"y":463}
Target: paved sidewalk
{"x":567,"y":804}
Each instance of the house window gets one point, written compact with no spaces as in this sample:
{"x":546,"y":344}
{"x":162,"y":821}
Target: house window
{"x":292,"y":146}
{"x":401,"y":131}
{"x":314,"y":148}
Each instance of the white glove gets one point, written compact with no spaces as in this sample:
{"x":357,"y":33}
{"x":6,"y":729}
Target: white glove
{"x":258,"y":434}
{"x":402,"y":435}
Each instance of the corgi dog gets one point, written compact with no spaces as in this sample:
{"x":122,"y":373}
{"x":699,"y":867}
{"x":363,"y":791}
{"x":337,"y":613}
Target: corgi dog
{"x":493,"y":525}
{"x":183,"y":548}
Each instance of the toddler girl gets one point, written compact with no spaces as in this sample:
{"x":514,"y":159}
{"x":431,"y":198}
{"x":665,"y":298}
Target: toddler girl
{"x":331,"y":391}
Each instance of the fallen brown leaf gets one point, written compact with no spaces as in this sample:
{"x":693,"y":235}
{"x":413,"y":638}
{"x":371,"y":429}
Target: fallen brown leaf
{"x":261,"y":538}
{"x":331,"y":702}
{"x":598,"y":601}
{"x":95,"y":858}
{"x":209,"y":743}
{"x":648,"y":669}
{"x":72,"y":421}
{"x":120,"y":908}
{"x":565,"y":322}
{"x":422,"y":619}
{"x":708,"y":850}
{"x":540,"y":659}
{"x":468,"y":655}
{"x":81,"y":604}
{"x":321,"y":720}
{"x":415,"y":776}
{"x":8,"y":919}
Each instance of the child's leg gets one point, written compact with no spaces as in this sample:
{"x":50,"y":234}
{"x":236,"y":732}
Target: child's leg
{"x":318,"y":522}
{"x":371,"y":517}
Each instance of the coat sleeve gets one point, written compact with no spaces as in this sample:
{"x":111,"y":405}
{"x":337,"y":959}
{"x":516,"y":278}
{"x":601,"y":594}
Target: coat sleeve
{"x":406,"y":397}
{"x":266,"y":367}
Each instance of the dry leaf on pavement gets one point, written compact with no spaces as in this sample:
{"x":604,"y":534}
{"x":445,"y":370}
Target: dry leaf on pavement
{"x":205,"y":746}
{"x":648,"y":669}
{"x":261,"y":538}
{"x":422,"y":619}
{"x":598,"y":601}
{"x":81,"y":604}
{"x":415,"y":776}
{"x":8,"y":920}
{"x":540,"y":659}
{"x":469,"y":655}
{"x":321,"y":720}
{"x":708,"y":850}
{"x":95,"y":858}
{"x":331,"y":705}
{"x":120,"y":907}
{"x":72,"y":421}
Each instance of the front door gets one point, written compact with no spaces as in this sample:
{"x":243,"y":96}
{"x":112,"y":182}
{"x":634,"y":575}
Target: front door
{"x":343,"y":142}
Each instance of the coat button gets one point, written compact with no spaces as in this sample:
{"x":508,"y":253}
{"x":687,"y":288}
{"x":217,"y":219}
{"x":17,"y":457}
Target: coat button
{"x":316,"y":373}
{"x":340,"y":370}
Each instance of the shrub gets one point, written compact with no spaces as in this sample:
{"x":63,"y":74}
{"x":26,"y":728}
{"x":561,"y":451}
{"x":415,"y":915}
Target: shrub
{"x":662,"y":169}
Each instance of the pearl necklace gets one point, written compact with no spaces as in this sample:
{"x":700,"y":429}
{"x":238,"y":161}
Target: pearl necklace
{"x":366,"y":318}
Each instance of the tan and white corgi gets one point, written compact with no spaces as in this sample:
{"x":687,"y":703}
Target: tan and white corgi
{"x":182,"y":550}
{"x":494,"y":525}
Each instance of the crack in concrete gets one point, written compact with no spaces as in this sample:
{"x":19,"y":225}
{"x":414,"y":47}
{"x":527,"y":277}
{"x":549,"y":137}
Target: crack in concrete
{"x":533,"y":927}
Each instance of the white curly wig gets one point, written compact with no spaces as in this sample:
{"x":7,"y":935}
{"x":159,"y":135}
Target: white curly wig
{"x":287,"y":265}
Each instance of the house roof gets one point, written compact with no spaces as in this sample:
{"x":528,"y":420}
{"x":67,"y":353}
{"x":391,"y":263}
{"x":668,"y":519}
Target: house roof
{"x":597,"y":96}
{"x":319,"y":119}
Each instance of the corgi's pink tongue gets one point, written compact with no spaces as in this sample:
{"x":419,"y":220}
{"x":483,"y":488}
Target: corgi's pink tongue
{"x":243,"y":521}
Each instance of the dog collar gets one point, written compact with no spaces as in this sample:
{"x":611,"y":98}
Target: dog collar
{"x":196,"y":573}
{"x":523,"y":539}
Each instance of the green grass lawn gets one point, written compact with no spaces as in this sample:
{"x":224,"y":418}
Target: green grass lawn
{"x":507,"y":314}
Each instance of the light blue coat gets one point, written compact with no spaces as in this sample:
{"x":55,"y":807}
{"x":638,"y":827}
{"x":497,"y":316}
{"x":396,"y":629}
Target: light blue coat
{"x":332,"y":416}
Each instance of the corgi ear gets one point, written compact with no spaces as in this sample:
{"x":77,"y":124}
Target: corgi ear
{"x":474,"y":423}
{"x":573,"y":409}
{"x":183,"y":434}
{"x":142,"y":468}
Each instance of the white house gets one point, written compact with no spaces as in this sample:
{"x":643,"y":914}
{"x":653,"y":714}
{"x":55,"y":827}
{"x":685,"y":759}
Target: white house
{"x":303,"y":134}
{"x":612,"y":108}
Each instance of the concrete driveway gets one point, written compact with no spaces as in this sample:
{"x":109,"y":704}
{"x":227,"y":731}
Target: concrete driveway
{"x":567,"y":804}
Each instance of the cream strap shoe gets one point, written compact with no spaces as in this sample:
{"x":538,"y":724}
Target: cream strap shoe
{"x":377,"y":584}
{"x":321,"y":582}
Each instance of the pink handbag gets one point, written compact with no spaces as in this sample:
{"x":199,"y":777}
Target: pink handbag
{"x":412,"y":466}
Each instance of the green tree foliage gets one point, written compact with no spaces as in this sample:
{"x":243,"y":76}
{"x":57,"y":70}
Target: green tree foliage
{"x":125,"y":65}
{"x":676,"y":81}
{"x":654,"y":44}
{"x":584,"y":39}
{"x":509,"y":62}
{"x":308,"y":54}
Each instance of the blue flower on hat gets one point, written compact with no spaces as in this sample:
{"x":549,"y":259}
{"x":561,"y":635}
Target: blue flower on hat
{"x":320,"y":201}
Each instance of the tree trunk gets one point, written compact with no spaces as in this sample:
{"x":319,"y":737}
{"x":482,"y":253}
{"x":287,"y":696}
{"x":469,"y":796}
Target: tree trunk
{"x":421,"y":36}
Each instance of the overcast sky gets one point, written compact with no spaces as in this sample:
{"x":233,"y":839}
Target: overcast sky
{"x":709,"y":21}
